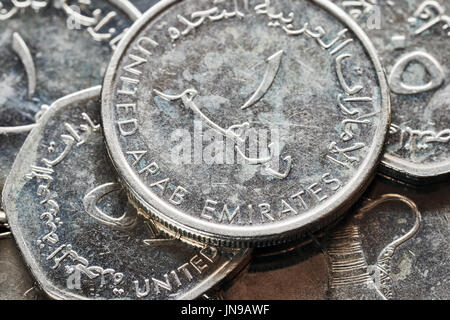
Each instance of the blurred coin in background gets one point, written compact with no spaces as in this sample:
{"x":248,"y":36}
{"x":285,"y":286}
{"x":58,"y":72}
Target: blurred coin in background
{"x":412,"y":38}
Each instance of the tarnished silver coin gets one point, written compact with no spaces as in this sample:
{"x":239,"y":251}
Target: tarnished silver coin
{"x":49,"y":49}
{"x":412,"y":38}
{"x":245,"y":122}
{"x":78,"y":233}
{"x":395,"y":245}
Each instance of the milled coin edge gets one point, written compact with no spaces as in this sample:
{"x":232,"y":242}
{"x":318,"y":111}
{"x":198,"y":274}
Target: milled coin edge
{"x":231,"y":235}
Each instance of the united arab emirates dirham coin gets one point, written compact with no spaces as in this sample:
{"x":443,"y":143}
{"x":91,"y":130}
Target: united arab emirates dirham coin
{"x":393,"y":245}
{"x":245,"y":122}
{"x":413,"y":40}
{"x":49,"y":49}
{"x":77,"y":231}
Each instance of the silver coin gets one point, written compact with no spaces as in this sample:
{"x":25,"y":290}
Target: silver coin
{"x":395,"y":245}
{"x":245,"y":122}
{"x":77,"y":231}
{"x":144,"y":5}
{"x":2,"y":218}
{"x":412,"y":39}
{"x":16,"y":283}
{"x":49,"y":49}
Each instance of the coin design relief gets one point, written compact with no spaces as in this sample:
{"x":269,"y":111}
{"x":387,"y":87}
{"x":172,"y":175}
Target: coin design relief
{"x":394,"y":245}
{"x":77,"y":231}
{"x":412,"y":39}
{"x":245,"y":122}
{"x":49,"y":49}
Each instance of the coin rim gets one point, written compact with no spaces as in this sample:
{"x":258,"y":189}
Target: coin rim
{"x":231,"y":235}
{"x":53,"y":291}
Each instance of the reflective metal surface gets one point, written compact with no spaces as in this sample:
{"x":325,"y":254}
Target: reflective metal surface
{"x":395,"y":245}
{"x":78,"y":233}
{"x":83,"y":239}
{"x":209,"y":80}
{"x":44,"y":47}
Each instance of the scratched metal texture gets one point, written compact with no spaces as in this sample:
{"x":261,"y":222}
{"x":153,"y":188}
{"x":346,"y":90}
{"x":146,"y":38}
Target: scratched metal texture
{"x":419,"y":267}
{"x":65,"y":60}
{"x":413,"y":34}
{"x":345,"y":263}
{"x":82,"y":241}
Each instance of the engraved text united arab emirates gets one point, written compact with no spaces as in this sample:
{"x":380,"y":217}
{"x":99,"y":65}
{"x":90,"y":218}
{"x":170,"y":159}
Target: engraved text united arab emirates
{"x":245,"y":122}
{"x":76,"y":229}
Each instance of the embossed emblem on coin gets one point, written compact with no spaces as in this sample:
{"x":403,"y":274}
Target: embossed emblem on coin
{"x":78,"y":232}
{"x":413,"y":41}
{"x":49,"y":49}
{"x":393,"y":246}
{"x":245,"y":122}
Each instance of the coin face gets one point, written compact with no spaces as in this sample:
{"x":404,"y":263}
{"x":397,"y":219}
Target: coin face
{"x":413,"y":41}
{"x":78,"y":232}
{"x":397,"y":246}
{"x":244,"y":122}
{"x":48,"y":50}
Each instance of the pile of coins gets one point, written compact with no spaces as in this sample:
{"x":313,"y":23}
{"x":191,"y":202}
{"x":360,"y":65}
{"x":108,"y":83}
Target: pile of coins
{"x":237,"y":149}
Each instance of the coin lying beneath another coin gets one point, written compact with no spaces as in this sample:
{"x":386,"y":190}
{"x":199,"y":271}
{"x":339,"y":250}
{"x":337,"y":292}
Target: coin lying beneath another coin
{"x":413,"y":40}
{"x":49,"y":49}
{"x":395,"y":245}
{"x":78,"y":232}
{"x":143,"y":5}
{"x":245,"y":122}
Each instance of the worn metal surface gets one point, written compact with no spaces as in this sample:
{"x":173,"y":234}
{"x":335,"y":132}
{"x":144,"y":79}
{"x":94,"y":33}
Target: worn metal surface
{"x":413,"y":41}
{"x":78,"y":232}
{"x":143,"y":5}
{"x":49,"y":49}
{"x":395,"y":245}
{"x":4,"y":229}
{"x":212,"y":82}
